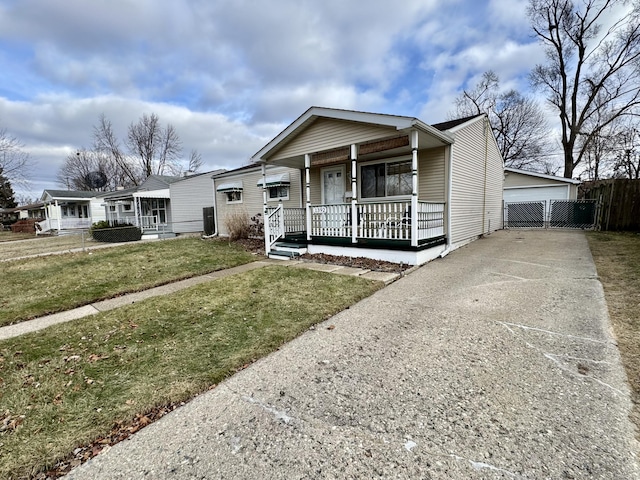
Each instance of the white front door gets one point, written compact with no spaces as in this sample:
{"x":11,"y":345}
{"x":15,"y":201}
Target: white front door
{"x":334,"y":218}
{"x":333,"y":185}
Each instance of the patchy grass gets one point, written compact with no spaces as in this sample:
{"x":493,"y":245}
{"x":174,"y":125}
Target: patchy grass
{"x":9,"y":249}
{"x":38,"y":286}
{"x":617,"y":258}
{"x":8,"y":236}
{"x":70,"y":384}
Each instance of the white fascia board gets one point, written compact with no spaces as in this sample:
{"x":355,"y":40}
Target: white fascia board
{"x":164,"y":193}
{"x":396,"y":121}
{"x":542,"y":175}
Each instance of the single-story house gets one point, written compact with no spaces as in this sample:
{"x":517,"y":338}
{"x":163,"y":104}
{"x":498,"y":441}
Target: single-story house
{"x":241,"y":190}
{"x":66,"y":210}
{"x":192,"y":203}
{"x":382,"y":186}
{"x":147,"y":206}
{"x":31,"y":210}
{"x":524,"y":186}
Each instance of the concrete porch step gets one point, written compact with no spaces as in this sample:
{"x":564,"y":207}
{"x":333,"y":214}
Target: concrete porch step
{"x":297,"y":248}
{"x":278,"y":254}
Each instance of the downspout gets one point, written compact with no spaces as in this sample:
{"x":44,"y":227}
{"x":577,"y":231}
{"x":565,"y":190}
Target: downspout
{"x":448,"y":204}
{"x":486,"y":159}
{"x":267,"y":233}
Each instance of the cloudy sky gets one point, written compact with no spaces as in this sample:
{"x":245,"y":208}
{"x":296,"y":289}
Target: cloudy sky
{"x":231,"y":74}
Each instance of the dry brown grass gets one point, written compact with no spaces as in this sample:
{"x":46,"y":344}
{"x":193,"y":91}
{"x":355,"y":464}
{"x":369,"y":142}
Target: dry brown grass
{"x":617,"y":258}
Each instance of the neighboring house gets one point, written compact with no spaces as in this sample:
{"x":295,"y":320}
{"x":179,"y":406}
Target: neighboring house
{"x":147,"y":206}
{"x":383,"y":186}
{"x":32,"y":210}
{"x":241,"y":190}
{"x":65,"y":210}
{"x":190,"y":196}
{"x":524,"y":186}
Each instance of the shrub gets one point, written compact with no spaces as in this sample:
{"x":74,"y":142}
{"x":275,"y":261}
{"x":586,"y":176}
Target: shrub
{"x":237,"y":224}
{"x":103,"y":231}
{"x":256,"y":227}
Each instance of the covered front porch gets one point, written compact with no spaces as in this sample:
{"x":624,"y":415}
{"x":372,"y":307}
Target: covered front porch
{"x":374,"y":225}
{"x":374,"y":186}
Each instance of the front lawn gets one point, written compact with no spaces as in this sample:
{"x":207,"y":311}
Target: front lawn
{"x":617,"y":258}
{"x":71,"y":384}
{"x":37,"y":286}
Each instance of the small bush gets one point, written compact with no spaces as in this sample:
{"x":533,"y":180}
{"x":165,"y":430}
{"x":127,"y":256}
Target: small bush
{"x":256,"y":227}
{"x":237,"y":224}
{"x":104,"y":231}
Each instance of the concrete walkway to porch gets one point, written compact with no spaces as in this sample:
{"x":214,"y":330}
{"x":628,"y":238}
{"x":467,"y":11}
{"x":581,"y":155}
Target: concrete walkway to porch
{"x":36,"y":324}
{"x":497,"y":361}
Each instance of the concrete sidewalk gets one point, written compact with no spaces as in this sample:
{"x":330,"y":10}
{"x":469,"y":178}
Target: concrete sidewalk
{"x":495,"y":362}
{"x":39,"y":323}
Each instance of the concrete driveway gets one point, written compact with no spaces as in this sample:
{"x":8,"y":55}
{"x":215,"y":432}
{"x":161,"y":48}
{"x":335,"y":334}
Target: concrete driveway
{"x":495,"y":362}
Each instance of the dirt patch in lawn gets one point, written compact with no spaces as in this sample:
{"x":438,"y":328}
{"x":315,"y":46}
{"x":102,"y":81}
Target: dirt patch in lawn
{"x":256,"y":246}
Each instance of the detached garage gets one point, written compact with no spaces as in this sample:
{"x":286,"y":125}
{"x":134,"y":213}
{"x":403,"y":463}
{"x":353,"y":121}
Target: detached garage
{"x":523,"y":186}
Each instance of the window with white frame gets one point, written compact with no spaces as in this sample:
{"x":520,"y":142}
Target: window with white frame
{"x":234,"y":196}
{"x":280,"y":192}
{"x":389,"y":178}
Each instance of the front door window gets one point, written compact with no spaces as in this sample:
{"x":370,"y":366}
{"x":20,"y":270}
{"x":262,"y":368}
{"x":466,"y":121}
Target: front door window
{"x":333,"y":186}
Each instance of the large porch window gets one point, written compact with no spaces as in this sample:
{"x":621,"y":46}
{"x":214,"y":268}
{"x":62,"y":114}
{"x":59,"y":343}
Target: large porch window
{"x":390,"y":178}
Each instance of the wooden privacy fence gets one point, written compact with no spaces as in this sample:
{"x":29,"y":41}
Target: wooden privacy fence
{"x":619,"y":200}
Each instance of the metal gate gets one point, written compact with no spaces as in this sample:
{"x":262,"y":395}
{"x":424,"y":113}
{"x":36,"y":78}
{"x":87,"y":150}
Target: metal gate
{"x":559,"y":214}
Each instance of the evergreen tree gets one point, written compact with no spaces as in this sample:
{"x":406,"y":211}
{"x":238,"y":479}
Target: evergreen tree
{"x":7,"y":195}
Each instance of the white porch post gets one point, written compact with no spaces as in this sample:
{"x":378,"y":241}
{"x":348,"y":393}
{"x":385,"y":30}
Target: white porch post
{"x":59,"y":215}
{"x":354,"y":188}
{"x":267,"y":233}
{"x":414,"y":192}
{"x":307,"y":180}
{"x":137,"y":213}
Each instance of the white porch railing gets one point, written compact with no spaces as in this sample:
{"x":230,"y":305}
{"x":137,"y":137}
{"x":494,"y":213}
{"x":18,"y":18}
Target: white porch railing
{"x":331,"y":220}
{"x":294,"y":220}
{"x":149,"y":222}
{"x":430,"y":220}
{"x":274,"y":222}
{"x":63,"y":224}
{"x":380,"y":220}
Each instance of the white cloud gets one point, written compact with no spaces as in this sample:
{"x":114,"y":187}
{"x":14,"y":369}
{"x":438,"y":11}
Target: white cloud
{"x":230,"y":75}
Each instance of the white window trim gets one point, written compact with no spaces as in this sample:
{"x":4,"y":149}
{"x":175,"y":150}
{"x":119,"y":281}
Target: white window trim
{"x":232,"y":202}
{"x":376,"y":162}
{"x":277,"y":199}
{"x":332,"y":167}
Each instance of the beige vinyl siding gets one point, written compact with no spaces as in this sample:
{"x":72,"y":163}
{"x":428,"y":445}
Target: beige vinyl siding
{"x":188,"y":198}
{"x":252,"y":199}
{"x":470,"y":150}
{"x":325,"y":134}
{"x":431,"y":175}
{"x":512,"y":179}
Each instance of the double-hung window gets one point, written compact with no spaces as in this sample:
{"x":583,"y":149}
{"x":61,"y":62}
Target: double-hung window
{"x":386,"y":179}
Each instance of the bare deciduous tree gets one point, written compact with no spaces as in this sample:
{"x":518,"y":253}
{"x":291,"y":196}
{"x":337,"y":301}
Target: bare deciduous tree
{"x":195,"y":161}
{"x":79,"y":170}
{"x":157,"y":148}
{"x":588,"y":68}
{"x":517,"y":122}
{"x":107,"y":143}
{"x":14,"y":160}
